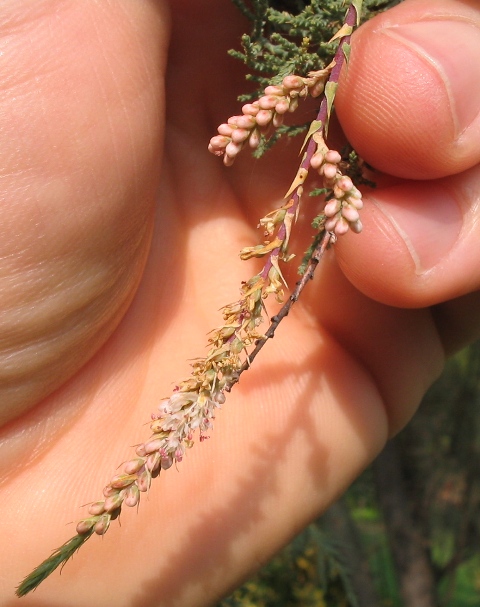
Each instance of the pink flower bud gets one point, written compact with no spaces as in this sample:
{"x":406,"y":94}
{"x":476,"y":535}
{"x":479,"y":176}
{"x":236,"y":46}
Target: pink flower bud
{"x":132,"y":496}
{"x":345,"y":183}
{"x":317,"y":160}
{"x":108,"y":491}
{"x":215,"y":151}
{"x":267,"y":102}
{"x":254,"y":139}
{"x":293,"y":82}
{"x":140,"y":450}
{"x":332,"y":207}
{"x":246,"y":122}
{"x":277,"y":120}
{"x":274,"y":90}
{"x":233,"y":149}
{"x":153,"y":445}
{"x":331,"y":223}
{"x":250,"y":109}
{"x":219,"y":142}
{"x":341,"y":227}
{"x":134,"y":465}
{"x":293,"y":105}
{"x":333,"y":157}
{"x":225,"y":130}
{"x":264,"y":117}
{"x":114,"y":502}
{"x":167,"y":462}
{"x":356,"y":226}
{"x":357,"y":203}
{"x":101,"y":527}
{"x":96,"y":508}
{"x":144,"y":481}
{"x":120,"y":481}
{"x":350,"y":214}
{"x":317,"y":89}
{"x":153,"y":461}
{"x":240,"y":135}
{"x":282,"y":106}
{"x":329,"y":170}
{"x":84,"y":526}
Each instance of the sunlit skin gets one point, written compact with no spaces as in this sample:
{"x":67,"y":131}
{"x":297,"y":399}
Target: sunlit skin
{"x":119,"y":242}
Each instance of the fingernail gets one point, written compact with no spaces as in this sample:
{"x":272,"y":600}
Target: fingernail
{"x":429,"y":223}
{"x":451,"y":46}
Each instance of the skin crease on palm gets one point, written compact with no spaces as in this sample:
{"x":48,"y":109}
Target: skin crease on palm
{"x":120,"y":240}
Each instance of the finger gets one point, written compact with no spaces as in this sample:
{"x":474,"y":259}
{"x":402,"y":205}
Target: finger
{"x":81,"y":103}
{"x":409,"y":100}
{"x":420,"y":245}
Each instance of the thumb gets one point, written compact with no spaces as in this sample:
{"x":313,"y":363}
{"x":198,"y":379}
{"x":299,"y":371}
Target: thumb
{"x":409,"y":101}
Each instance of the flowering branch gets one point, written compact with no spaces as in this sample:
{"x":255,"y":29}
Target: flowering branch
{"x":191,"y":409}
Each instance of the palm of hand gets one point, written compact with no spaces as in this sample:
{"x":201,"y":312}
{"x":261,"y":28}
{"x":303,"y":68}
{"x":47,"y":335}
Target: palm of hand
{"x":343,"y":372}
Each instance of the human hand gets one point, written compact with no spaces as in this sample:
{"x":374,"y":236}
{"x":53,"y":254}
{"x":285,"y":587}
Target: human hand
{"x":346,"y":370}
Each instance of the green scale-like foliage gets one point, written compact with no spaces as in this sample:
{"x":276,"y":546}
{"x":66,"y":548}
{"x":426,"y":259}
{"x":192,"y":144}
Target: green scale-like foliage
{"x":291,"y":37}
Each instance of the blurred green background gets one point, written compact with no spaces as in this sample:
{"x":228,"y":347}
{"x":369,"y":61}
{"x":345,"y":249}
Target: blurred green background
{"x":407,"y":532}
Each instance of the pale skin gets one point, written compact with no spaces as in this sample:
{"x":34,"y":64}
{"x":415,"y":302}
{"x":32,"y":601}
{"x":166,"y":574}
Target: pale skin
{"x":120,"y":241}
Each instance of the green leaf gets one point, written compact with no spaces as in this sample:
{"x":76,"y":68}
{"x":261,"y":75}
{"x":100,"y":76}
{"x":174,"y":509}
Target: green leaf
{"x":358,"y":7}
{"x":59,"y":557}
{"x":315,"y":126}
{"x":330,"y":90}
